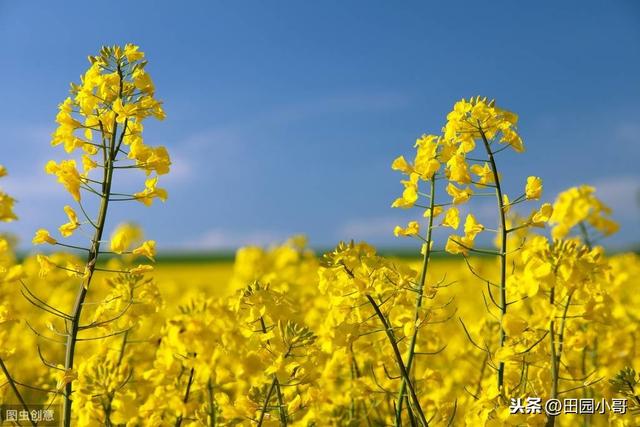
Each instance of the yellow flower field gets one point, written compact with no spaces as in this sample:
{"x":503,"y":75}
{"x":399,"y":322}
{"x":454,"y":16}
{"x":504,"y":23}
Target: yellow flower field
{"x":524,"y":321}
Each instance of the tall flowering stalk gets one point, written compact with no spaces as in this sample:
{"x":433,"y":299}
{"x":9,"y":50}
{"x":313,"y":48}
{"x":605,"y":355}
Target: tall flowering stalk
{"x":107,"y":109}
{"x":424,"y":168}
{"x":480,"y":120}
{"x":575,"y":209}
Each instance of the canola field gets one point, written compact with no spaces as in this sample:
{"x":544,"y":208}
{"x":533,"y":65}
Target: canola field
{"x":344,"y":376}
{"x":537,"y":327}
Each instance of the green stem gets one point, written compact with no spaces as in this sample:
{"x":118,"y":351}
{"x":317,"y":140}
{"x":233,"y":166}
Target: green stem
{"x":109,"y":157}
{"x":585,"y":234}
{"x":282,"y":410}
{"x":212,"y":404}
{"x":186,"y":396}
{"x":556,"y":354}
{"x":403,"y":369}
{"x":423,"y":278}
{"x":554,"y":360}
{"x":267,"y":399}
{"x":83,"y":289}
{"x":125,"y":336}
{"x":503,"y":251}
{"x":15,"y":388}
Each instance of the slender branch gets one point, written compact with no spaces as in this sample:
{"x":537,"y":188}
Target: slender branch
{"x":282,"y":410}
{"x":186,"y":396}
{"x":503,"y":250}
{"x":267,"y":399}
{"x":12,"y":383}
{"x":420,"y":292}
{"x":556,"y":353}
{"x":212,"y":404}
{"x":403,"y":369}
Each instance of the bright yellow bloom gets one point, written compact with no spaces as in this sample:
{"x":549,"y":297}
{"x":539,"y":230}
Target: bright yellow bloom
{"x":67,"y":125}
{"x":542,"y":215}
{"x":75,"y":270}
{"x":15,"y":272}
{"x":452,"y":218}
{"x":427,"y":168}
{"x":114,"y":90}
{"x":6,"y":207}
{"x":513,"y":139}
{"x":459,"y":196}
{"x":138,"y":150}
{"x":513,"y":324}
{"x":65,"y":377}
{"x":428,"y":142}
{"x":132,"y":53}
{"x":157,"y":161}
{"x":147,"y":249}
{"x":141,"y":269}
{"x":472,"y":227}
{"x":46,"y":265}
{"x":124,"y":236}
{"x":485,"y":174}
{"x":143,"y":82}
{"x":42,"y":236}
{"x":426,"y":162}
{"x":295,"y":404}
{"x":124,"y":111}
{"x":412,"y":229}
{"x":151,"y":192}
{"x":457,"y":170}
{"x":410,"y":193}
{"x":67,"y":229}
{"x":506,"y":204}
{"x":579,"y":204}
{"x":88,"y":164}
{"x":437,"y":210}
{"x":464,"y":121}
{"x":400,"y":164}
{"x":67,"y":175}
{"x":533,"y":189}
{"x":458,"y":245}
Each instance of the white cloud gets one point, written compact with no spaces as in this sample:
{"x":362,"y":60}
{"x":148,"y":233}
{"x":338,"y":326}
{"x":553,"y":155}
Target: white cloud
{"x":223,"y":147}
{"x":35,"y":186}
{"x":182,"y":168}
{"x":370,"y":228}
{"x":232,"y":133}
{"x":621,"y":193}
{"x":219,"y":238}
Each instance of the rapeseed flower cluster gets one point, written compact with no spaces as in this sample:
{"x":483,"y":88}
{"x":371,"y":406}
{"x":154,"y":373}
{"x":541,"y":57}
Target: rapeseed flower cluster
{"x":295,"y":338}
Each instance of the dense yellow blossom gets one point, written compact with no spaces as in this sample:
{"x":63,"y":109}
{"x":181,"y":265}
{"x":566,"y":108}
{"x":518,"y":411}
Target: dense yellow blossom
{"x":579,"y":205}
{"x":284,"y":336}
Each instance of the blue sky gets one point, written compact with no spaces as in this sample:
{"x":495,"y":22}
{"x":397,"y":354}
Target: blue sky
{"x":284,"y":116}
